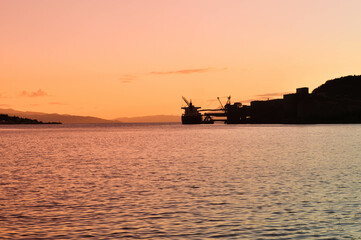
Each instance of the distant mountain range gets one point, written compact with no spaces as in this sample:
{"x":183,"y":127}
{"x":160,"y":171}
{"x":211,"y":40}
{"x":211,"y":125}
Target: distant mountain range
{"x":65,"y":118}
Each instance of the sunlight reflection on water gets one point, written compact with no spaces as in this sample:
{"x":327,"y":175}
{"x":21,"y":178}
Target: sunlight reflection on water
{"x":173,"y":181}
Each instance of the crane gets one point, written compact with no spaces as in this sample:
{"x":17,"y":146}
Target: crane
{"x":220,"y":102}
{"x":229,"y":100}
{"x":227,"y":103}
{"x":188,"y":104}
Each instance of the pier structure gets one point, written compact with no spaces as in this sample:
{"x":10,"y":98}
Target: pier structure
{"x":228,"y":113}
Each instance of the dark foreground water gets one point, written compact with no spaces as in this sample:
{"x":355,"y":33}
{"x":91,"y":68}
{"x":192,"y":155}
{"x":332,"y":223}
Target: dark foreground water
{"x":180,"y":182}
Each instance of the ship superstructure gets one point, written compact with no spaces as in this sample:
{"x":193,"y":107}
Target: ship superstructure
{"x":191,"y":114}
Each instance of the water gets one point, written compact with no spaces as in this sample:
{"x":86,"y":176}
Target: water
{"x":180,"y":182}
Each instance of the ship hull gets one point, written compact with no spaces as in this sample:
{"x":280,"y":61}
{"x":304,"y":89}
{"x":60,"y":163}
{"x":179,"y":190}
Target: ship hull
{"x":192,"y":119}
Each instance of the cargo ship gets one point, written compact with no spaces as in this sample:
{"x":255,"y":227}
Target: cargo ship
{"x":191,"y":114}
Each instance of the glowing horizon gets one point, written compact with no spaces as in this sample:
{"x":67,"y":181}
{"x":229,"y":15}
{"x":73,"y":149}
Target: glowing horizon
{"x":114,"y":59}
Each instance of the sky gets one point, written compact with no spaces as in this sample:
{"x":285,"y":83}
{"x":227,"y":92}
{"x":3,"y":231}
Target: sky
{"x":119,"y":58}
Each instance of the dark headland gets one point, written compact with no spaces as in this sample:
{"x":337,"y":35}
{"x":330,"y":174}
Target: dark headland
{"x":335,"y":101}
{"x":6,"y":119}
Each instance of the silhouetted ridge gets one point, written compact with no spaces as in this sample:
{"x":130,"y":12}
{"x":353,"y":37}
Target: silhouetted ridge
{"x":6,"y":119}
{"x":54,"y":117}
{"x":347,"y":88}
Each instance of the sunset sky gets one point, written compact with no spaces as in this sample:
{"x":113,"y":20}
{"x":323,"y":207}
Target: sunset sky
{"x":115,"y":58}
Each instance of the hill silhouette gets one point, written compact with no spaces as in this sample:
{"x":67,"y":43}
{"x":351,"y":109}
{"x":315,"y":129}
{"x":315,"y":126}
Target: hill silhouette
{"x":346,"y":88}
{"x":54,"y":117}
{"x":6,"y":119}
{"x":66,"y":118}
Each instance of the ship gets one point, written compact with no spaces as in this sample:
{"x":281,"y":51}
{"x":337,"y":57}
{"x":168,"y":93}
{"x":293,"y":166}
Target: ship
{"x":191,"y":114}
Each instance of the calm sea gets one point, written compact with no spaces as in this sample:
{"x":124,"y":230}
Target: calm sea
{"x":169,"y":181}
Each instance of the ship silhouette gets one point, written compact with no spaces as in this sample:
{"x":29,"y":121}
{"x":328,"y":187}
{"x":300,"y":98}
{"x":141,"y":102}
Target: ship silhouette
{"x":191,"y":114}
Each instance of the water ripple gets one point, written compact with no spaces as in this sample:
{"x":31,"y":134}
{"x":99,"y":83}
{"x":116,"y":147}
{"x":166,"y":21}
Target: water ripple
{"x":169,"y":181}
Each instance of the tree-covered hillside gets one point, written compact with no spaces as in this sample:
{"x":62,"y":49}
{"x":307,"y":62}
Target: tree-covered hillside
{"x":6,"y":119}
{"x":348,"y":88}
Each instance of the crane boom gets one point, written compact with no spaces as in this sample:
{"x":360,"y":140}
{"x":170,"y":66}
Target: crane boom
{"x":220,"y":102}
{"x":186,"y":101}
{"x":229,"y":100}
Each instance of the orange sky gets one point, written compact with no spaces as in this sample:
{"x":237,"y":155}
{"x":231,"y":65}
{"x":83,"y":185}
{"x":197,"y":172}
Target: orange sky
{"x":115,"y":58}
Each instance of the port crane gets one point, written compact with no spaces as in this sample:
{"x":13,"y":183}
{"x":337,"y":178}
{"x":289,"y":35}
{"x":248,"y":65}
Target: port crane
{"x":186,"y":101}
{"x":220,"y":102}
{"x":228,"y":113}
{"x":227,"y":103}
{"x":217,"y":114}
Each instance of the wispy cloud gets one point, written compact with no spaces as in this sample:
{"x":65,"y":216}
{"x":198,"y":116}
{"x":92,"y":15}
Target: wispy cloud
{"x":266,"y":95}
{"x":39,"y":93}
{"x":249,"y":100}
{"x":5,"y":105}
{"x":187,"y":71}
{"x":127,"y":78}
{"x":57,"y":103}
